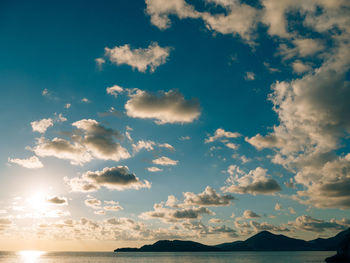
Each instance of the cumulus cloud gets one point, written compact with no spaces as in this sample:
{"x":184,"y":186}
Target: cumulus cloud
{"x":221,"y":133}
{"x":112,"y":206}
{"x":147,"y":145}
{"x":114,"y":90}
{"x":165,"y":107}
{"x":31,"y":162}
{"x":250,"y":214}
{"x":255,"y":182}
{"x":142,"y":59}
{"x":165,"y":161}
{"x":209,"y":197}
{"x":238,"y":19}
{"x":159,"y":11}
{"x":174,"y":215}
{"x":58,"y":200}
{"x":62,"y":149}
{"x":42,"y":125}
{"x":309,"y":223}
{"x":100,"y":140}
{"x":92,"y":140}
{"x":264,"y":226}
{"x":93,"y":202}
{"x":300,"y":67}
{"x":154,"y":169}
{"x":113,"y":178}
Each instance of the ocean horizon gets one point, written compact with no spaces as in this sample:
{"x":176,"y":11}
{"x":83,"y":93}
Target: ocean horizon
{"x":164,"y":257}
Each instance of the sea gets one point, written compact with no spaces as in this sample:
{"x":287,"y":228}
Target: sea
{"x":164,"y":257}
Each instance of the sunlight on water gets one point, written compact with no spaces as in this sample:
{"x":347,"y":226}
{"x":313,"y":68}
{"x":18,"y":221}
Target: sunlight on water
{"x":30,"y":256}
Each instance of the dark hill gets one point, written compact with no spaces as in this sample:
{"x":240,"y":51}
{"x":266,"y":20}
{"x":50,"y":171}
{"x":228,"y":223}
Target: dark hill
{"x":263,"y":241}
{"x":171,"y":246}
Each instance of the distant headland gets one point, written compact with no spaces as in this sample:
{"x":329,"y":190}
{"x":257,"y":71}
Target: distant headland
{"x":263,"y":241}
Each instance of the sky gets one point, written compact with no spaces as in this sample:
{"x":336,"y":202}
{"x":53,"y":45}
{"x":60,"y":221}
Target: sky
{"x":126,"y":122}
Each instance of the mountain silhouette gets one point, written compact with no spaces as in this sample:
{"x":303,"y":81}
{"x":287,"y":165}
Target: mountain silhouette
{"x":263,"y":241}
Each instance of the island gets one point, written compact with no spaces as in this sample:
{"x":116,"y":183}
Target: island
{"x":263,"y":241}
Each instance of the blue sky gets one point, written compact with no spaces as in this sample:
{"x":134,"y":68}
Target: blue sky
{"x":210,"y":120}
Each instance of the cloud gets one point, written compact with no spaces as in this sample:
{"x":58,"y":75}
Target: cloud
{"x":255,"y":182}
{"x":58,"y":200}
{"x":93,"y":202}
{"x":278,"y":207}
{"x":291,"y":210}
{"x":114,"y":178}
{"x":85,"y":100}
{"x":114,"y":208}
{"x":311,"y":224}
{"x":300,"y":67}
{"x":114,"y":90}
{"x":100,"y":140}
{"x":31,"y":162}
{"x":142,"y":59}
{"x":249,"y":76}
{"x":209,"y":197}
{"x":264,"y":226}
{"x":167,"y":146}
{"x":67,"y":105}
{"x":154,"y":169}
{"x":232,"y":146}
{"x":100,"y":62}
{"x":250,"y":214}
{"x":237,"y":19}
{"x":184,"y":138}
{"x":42,"y":125}
{"x":159,"y":11}
{"x":62,"y":149}
{"x":221,"y":133}
{"x":148,"y":145}
{"x":174,"y":215}
{"x":165,"y":161}
{"x":166,"y":107}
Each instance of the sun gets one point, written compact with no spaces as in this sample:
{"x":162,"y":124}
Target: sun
{"x":38,"y":202}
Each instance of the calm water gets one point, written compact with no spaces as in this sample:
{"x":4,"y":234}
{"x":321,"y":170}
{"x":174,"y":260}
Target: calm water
{"x":187,"y":257}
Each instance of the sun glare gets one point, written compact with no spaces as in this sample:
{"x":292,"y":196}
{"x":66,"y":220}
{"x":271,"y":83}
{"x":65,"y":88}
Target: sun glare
{"x":30,"y":256}
{"x":38,"y":202}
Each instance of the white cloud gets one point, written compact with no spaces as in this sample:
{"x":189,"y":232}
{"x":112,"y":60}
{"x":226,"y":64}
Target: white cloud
{"x":255,"y":182}
{"x":114,"y":90}
{"x":249,"y":76}
{"x":154,"y":169}
{"x":62,"y":149}
{"x":42,"y":125}
{"x":147,"y":145}
{"x":167,"y":107}
{"x":232,"y":146}
{"x":31,"y":162}
{"x":100,"y":140}
{"x":221,"y":133}
{"x":160,"y":10}
{"x":67,"y":105}
{"x":209,"y":197}
{"x":85,"y":100}
{"x":142,"y":59}
{"x":167,"y":146}
{"x":300,"y":67}
{"x":165,"y":161}
{"x":100,"y":62}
